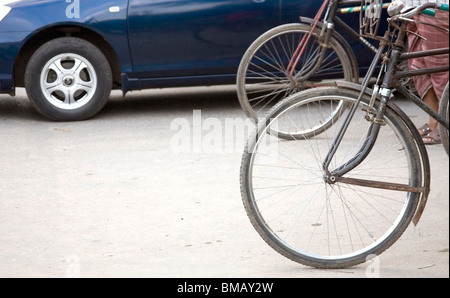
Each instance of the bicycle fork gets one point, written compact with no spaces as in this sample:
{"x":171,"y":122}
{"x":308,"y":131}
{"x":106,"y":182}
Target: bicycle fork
{"x":331,"y":176}
{"x":377,"y":121}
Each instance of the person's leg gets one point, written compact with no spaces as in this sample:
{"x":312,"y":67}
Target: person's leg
{"x":433,"y":137}
{"x":431,"y":100}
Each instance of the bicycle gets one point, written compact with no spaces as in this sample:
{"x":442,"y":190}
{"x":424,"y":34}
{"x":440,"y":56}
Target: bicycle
{"x":293,"y":57}
{"x":339,"y":197}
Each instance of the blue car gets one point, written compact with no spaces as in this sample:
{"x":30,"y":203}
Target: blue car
{"x":70,"y":54}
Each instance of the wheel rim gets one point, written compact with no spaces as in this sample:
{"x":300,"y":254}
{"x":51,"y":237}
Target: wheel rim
{"x":68,"y":81}
{"x":354,"y":221}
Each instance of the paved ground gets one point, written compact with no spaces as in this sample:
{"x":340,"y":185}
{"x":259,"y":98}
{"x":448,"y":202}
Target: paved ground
{"x":123,"y":195}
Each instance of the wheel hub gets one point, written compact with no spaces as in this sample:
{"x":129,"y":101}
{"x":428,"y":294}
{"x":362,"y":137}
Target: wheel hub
{"x":330,"y":179}
{"x":68,"y":81}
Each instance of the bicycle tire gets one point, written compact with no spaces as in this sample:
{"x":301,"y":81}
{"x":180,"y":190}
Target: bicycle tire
{"x":264,"y":65}
{"x":444,"y":112}
{"x":273,"y":179}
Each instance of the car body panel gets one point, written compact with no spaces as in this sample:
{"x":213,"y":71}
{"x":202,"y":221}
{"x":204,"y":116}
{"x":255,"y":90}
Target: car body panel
{"x":9,"y":47}
{"x":185,"y":37}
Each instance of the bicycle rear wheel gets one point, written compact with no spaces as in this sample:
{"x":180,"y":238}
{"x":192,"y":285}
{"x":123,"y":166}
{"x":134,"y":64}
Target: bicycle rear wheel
{"x":321,"y":224}
{"x":444,"y":112}
{"x":263,"y":78}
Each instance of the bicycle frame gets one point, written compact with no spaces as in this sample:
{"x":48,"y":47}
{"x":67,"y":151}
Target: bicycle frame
{"x":391,"y":81}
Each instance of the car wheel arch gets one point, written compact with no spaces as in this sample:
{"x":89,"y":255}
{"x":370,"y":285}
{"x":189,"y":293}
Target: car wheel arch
{"x":41,"y":37}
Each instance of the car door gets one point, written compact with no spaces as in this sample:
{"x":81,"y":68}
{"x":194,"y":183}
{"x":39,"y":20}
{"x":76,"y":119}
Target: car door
{"x":176,"y":38}
{"x":292,"y":9}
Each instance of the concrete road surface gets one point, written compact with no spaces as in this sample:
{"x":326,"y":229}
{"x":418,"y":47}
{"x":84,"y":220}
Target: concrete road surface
{"x":150,"y":188}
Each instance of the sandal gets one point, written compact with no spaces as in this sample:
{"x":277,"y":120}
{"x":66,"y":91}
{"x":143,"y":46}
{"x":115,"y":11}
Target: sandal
{"x":432,"y":138}
{"x":424,"y":130}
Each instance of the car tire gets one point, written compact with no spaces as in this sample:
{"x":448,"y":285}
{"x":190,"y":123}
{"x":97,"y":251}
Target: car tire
{"x":68,"y":79}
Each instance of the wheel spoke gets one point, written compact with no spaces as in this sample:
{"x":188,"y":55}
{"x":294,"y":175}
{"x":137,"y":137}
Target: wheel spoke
{"x":57,"y":67}
{"x":68,"y":96}
{"x":52,"y":87}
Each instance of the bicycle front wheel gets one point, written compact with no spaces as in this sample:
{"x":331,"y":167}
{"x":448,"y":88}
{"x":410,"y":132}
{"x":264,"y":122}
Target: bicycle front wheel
{"x":311,"y":220}
{"x":263,"y":77}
